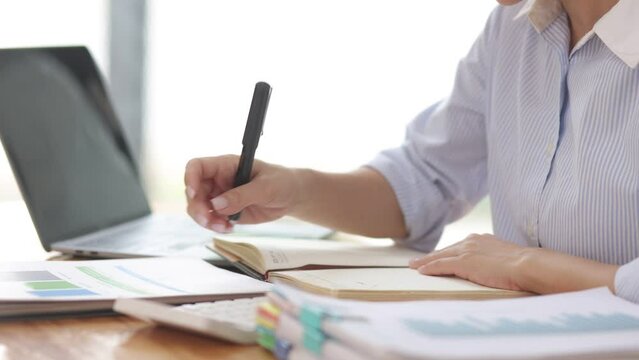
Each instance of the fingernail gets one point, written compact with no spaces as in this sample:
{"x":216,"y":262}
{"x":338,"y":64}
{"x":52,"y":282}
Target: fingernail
{"x":202,"y":220}
{"x":190,"y":192}
{"x":219,"y":203}
{"x":220,"y":228}
{"x":413,"y":262}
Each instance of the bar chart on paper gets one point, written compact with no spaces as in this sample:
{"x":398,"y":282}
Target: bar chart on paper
{"x":593,"y":323}
{"x":567,"y":323}
{"x":43,"y":284}
{"x":88,"y":286}
{"x":89,"y":280}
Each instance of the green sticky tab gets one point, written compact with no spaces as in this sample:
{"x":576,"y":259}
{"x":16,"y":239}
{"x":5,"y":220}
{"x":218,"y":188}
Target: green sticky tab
{"x":267,"y":342}
{"x":50,"y":285}
{"x":312,"y":316}
{"x":261,"y":330}
{"x":314,"y":340}
{"x":265,"y":337}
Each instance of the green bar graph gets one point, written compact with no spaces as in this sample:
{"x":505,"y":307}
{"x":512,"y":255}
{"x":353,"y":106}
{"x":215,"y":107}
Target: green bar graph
{"x":109,"y":281}
{"x":50,"y":285}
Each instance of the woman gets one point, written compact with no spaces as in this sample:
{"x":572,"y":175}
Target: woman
{"x":543,"y":117}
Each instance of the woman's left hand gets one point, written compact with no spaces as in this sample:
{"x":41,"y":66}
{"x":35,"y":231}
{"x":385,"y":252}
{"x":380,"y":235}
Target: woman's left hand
{"x":483,"y":259}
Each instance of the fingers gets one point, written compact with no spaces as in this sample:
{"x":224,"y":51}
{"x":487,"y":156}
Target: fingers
{"x":236,"y":199}
{"x":211,"y":221}
{"x":211,"y":198}
{"x":469,"y":245}
{"x":200,"y":169}
{"x":482,"y":259}
{"x":199,"y":208}
{"x":200,"y":177}
{"x":443,"y":267}
{"x":193,"y":177}
{"x":197,"y":204}
{"x":433,"y":256}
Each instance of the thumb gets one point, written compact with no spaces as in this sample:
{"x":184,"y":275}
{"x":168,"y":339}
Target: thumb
{"x":236,"y":199}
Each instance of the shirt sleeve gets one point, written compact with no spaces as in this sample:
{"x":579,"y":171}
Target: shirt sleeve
{"x":439,"y":173}
{"x":627,"y":281}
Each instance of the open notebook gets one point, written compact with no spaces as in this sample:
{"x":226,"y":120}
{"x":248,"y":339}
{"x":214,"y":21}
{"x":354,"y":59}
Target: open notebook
{"x":258,"y":257}
{"x":346,"y":270}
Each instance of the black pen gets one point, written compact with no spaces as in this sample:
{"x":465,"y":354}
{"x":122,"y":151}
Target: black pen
{"x":252,"y":133}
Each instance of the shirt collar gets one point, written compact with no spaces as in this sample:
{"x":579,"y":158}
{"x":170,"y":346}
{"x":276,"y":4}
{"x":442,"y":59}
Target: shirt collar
{"x":616,"y":28}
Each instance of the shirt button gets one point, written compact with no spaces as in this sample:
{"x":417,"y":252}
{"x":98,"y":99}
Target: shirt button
{"x":530,"y":231}
{"x":550,"y":149}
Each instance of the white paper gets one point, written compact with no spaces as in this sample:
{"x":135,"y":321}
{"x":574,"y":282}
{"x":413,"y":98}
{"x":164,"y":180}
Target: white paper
{"x":571,"y":324}
{"x":110,"y":279}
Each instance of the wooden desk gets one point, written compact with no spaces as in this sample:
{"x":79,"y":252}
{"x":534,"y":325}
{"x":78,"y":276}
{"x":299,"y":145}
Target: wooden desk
{"x":112,"y":337}
{"x":96,"y":338}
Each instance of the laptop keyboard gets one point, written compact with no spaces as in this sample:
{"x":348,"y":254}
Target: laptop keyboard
{"x":155,"y":235}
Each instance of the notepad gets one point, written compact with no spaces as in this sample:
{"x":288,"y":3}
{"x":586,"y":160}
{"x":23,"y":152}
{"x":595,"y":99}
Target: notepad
{"x":259,"y":256}
{"x":388,"y":284}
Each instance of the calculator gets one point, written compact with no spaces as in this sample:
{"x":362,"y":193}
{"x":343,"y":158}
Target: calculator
{"x":230,"y":320}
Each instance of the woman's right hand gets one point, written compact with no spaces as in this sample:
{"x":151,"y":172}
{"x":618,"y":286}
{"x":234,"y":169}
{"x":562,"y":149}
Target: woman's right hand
{"x":272,"y":192}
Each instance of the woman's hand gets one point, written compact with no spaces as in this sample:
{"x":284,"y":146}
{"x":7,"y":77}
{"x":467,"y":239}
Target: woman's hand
{"x":270,"y":194}
{"x":482,"y":259}
{"x":487,"y":260}
{"x":359,"y":202}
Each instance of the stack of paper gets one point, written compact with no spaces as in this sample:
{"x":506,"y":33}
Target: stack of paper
{"x":49,"y":287}
{"x":588,"y":323}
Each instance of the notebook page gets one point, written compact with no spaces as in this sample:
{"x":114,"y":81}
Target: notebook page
{"x":295,"y":253}
{"x":383,"y":279}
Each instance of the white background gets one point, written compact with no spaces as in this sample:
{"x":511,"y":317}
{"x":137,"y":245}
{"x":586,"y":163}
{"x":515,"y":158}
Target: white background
{"x":347,"y":75}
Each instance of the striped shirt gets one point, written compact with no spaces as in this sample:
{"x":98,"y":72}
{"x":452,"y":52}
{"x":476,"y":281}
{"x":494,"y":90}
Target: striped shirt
{"x":549,"y":133}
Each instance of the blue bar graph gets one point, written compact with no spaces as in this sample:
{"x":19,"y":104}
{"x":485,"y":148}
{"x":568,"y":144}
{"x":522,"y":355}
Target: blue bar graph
{"x":64,"y":292}
{"x":561,"y":324}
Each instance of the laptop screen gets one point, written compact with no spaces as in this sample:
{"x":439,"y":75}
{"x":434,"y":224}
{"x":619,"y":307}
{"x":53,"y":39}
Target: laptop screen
{"x":65,"y":145}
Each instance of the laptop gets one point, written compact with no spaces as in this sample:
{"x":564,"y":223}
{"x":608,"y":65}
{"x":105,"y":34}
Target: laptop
{"x":75,"y":170}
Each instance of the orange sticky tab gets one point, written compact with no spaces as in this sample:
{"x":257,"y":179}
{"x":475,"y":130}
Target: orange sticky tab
{"x":265,"y":322}
{"x":268,"y":311}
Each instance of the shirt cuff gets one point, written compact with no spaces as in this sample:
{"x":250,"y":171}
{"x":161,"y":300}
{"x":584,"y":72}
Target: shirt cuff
{"x":415,"y":193}
{"x":627,"y":281}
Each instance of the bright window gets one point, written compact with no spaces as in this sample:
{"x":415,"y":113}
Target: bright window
{"x":347,"y":77}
